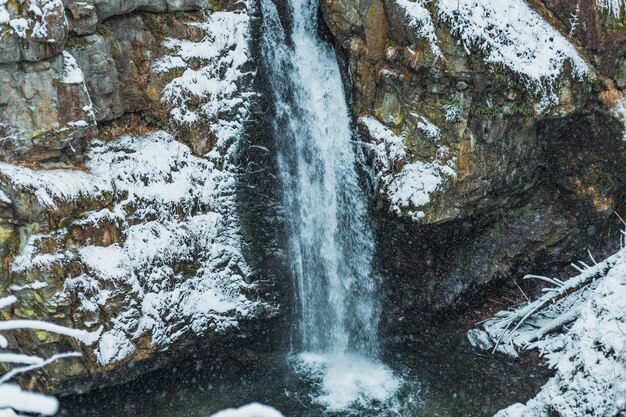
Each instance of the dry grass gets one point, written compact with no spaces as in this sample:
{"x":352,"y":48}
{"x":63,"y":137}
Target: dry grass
{"x":132,"y":124}
{"x":611,"y":95}
{"x":359,"y":48}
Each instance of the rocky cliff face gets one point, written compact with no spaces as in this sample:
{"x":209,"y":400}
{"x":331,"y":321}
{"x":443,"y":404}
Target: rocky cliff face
{"x":492,"y":137}
{"x":108,"y":222}
{"x":493,"y":149}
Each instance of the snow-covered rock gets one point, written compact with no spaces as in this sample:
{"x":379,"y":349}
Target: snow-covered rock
{"x":32,"y":29}
{"x":171,"y":209}
{"x":224,"y":50}
{"x":407,"y":182}
{"x":507,"y":32}
{"x":511,"y":33}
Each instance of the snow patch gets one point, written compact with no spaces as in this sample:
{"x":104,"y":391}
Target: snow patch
{"x":114,"y":346}
{"x":431,"y":131}
{"x":37,"y":285}
{"x":408,"y":186}
{"x":452,"y":113}
{"x":619,"y":111}
{"x":50,"y":187}
{"x":511,"y":33}
{"x":250,"y":410}
{"x":412,"y":186}
{"x":72,"y":74}
{"x":4,"y":198}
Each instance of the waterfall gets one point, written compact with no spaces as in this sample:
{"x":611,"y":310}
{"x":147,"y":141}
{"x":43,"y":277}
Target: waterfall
{"x":330,"y":240}
{"x":330,"y":243}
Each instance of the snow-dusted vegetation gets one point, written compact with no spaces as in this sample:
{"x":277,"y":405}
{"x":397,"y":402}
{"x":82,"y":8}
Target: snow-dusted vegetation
{"x":408,"y":183}
{"x":506,"y":32}
{"x":614,"y":7}
{"x":224,"y":50}
{"x":579,"y":327}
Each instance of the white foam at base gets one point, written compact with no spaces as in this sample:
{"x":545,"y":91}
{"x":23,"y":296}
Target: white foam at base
{"x":349,"y":381}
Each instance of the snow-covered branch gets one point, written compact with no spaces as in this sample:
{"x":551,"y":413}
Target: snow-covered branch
{"x":12,"y":398}
{"x":579,"y":326}
{"x":550,"y":312}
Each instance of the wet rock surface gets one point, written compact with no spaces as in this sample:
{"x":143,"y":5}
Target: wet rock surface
{"x":530,"y":184}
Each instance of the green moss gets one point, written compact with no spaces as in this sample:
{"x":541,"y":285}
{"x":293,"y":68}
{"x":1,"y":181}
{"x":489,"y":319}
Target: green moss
{"x":15,"y":6}
{"x":523,"y":107}
{"x":498,"y":229}
{"x":104,"y":29}
{"x":390,"y":43}
{"x":152,"y":121}
{"x":6,"y":233}
{"x":214,"y":6}
{"x":175,"y":72}
{"x":586,"y":87}
{"x":500,"y":76}
{"x":78,"y":41}
{"x":613,"y":22}
{"x":483,"y":111}
{"x":511,"y":216}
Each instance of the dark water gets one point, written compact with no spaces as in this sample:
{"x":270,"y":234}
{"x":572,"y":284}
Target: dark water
{"x":445,"y":377}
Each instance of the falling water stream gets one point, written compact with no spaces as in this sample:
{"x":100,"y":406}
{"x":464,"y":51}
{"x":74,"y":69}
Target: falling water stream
{"x":330,"y":241}
{"x":331,"y":244}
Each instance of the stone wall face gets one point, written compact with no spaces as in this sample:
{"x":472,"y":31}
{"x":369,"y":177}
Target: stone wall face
{"x":530,"y":181}
{"x":45,"y":117}
{"x":120,"y":124}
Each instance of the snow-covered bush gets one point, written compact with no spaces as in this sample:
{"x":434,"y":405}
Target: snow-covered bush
{"x":13,"y":399}
{"x":579,"y":326}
